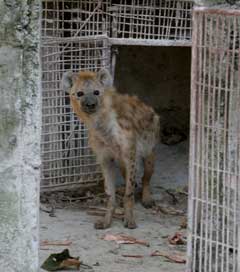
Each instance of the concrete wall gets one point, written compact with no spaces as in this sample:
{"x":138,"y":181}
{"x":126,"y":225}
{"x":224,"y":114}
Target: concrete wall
{"x":20,"y":119}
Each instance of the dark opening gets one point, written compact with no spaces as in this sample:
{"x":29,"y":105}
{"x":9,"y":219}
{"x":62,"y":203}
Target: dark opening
{"x":160,"y":76}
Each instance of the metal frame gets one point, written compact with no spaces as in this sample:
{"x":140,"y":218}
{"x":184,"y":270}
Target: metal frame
{"x":67,"y":160}
{"x":74,"y":37}
{"x":213,"y":216}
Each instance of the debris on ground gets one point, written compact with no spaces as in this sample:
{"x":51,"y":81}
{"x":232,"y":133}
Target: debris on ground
{"x":45,"y":208}
{"x":183,"y":224}
{"x":124,"y":239}
{"x":55,"y":243}
{"x":100,"y":211}
{"x":173,"y":195}
{"x":132,"y":256}
{"x":48,"y":209}
{"x":59,"y":261}
{"x":177,"y":239}
{"x":176,"y":258}
{"x":72,"y":198}
{"x":182,"y":190}
{"x":166,"y":209}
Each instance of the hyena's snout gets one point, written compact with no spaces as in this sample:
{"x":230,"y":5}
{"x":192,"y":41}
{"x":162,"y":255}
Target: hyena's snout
{"x":89,"y":103}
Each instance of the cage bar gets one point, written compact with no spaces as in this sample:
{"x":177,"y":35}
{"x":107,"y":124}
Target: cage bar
{"x":151,"y":22}
{"x":213,"y":243}
{"x":67,"y":160}
{"x":74,"y":18}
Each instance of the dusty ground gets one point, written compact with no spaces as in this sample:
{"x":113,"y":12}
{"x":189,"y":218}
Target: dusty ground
{"x":74,"y":224}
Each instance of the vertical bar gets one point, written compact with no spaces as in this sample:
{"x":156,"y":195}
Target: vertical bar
{"x":208,"y":178}
{"x":191,"y":183}
{"x":211,"y":126}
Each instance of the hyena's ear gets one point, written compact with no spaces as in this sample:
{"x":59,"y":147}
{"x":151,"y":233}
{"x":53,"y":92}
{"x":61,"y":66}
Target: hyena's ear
{"x":105,"y":77}
{"x":68,"y":81}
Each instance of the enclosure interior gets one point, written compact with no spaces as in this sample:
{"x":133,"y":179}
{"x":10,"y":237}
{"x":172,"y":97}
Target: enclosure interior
{"x":160,"y":76}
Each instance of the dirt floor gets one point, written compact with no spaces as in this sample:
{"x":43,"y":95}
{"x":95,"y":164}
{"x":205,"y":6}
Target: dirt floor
{"x":74,"y":223}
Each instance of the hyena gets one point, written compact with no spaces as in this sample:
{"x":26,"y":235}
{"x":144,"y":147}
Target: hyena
{"x":121,"y":129}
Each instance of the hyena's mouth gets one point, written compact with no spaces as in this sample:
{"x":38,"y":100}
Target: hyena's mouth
{"x":89,"y":109}
{"x":89,"y":104}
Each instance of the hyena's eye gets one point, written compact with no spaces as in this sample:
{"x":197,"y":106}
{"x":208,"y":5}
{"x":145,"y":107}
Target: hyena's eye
{"x":96,"y":92}
{"x":79,"y":94}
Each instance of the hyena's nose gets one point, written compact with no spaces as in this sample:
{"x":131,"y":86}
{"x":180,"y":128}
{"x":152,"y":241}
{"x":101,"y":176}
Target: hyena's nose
{"x":90,"y":105}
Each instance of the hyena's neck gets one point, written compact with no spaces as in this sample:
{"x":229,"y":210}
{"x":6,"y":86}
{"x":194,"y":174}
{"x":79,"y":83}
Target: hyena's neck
{"x":104,"y":121}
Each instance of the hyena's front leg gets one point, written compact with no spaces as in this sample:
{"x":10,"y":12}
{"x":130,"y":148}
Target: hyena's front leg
{"x":109,"y":184}
{"x":130,"y":176}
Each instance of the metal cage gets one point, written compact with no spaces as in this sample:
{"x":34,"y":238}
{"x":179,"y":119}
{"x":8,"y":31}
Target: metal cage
{"x":215,"y":142}
{"x":78,"y":35}
{"x":151,"y":22}
{"x":67,"y":160}
{"x":74,"y":18}
{"x":74,"y":37}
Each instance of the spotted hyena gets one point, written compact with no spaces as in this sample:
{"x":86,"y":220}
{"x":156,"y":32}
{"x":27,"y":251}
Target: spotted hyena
{"x":121,"y":129}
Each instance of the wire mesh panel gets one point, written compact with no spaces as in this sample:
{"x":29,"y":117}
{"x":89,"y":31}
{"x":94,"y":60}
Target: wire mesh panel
{"x":67,"y":160}
{"x":72,"y":18}
{"x":156,"y":21}
{"x":75,"y":36}
{"x":215,"y":142}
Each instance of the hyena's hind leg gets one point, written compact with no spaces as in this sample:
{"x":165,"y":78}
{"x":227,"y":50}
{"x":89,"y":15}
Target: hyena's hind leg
{"x":109,"y":184}
{"x":147,"y":199}
{"x":129,"y":171}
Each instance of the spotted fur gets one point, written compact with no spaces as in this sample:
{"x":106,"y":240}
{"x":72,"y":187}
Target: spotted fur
{"x":122,"y":129}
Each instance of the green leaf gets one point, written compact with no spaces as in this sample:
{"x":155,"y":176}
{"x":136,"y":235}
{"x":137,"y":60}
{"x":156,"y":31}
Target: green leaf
{"x":54,"y":261}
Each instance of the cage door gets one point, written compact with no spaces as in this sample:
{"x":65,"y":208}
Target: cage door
{"x":213,"y":243}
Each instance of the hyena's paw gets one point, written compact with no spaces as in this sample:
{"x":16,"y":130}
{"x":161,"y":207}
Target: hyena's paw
{"x":148,"y":202}
{"x":130,"y":223}
{"x":101,"y":224}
